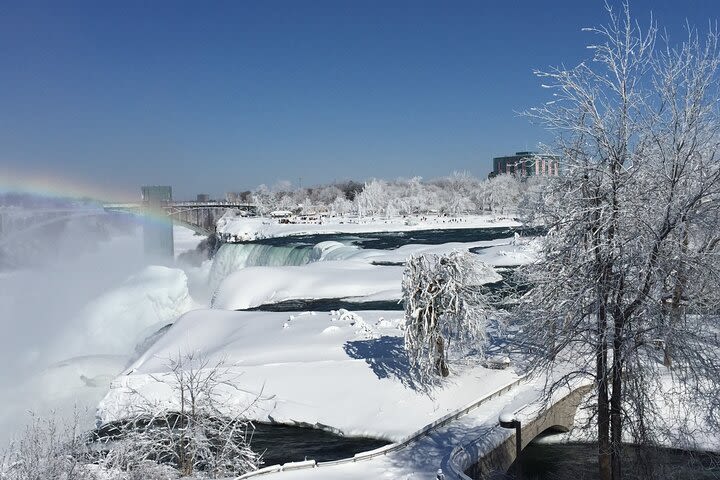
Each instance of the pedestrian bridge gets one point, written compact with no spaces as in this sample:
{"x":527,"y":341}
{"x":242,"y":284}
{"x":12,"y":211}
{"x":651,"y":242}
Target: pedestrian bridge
{"x":466,"y":444}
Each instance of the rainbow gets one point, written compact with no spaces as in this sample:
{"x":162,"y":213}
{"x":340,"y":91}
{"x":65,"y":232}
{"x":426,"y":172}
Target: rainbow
{"x":56,"y":186}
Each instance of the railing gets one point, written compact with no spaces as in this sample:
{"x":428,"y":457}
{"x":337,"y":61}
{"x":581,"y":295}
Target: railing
{"x":208,"y":204}
{"x":213,"y":203}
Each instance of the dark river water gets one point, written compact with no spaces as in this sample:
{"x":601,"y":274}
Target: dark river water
{"x":327,"y":304}
{"x":578,"y":461}
{"x":392,"y":240}
{"x":280,"y":444}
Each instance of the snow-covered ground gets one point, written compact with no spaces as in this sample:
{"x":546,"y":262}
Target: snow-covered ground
{"x":233,"y":228}
{"x":502,"y":252}
{"x":255,"y":286}
{"x":339,"y":369}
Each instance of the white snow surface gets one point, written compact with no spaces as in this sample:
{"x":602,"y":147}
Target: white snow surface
{"x":341,"y":370}
{"x":233,"y":228}
{"x":502,"y":252}
{"x":255,"y":286}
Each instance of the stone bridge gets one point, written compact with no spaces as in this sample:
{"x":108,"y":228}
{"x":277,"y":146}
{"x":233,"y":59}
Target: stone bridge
{"x":465,"y":444}
{"x":476,"y":461}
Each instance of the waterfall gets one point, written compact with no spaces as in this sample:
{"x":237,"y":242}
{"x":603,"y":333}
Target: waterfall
{"x":231,"y":257}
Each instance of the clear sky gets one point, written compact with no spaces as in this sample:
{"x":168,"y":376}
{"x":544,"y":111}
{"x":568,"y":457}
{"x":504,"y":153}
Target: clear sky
{"x":222,"y":96}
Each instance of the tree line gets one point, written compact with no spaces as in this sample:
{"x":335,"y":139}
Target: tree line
{"x":457,"y":194}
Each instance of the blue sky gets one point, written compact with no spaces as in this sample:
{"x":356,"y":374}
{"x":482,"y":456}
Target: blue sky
{"x":220,"y":96}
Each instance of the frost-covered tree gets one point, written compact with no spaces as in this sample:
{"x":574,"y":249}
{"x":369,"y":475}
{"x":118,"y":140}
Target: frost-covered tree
{"x":46,"y":448}
{"x":630,"y":262}
{"x":341,"y":206}
{"x":196,"y":436}
{"x":457,"y":194}
{"x":262,"y":199}
{"x":445,"y":311}
{"x":374,"y":198}
{"x":504,"y":194}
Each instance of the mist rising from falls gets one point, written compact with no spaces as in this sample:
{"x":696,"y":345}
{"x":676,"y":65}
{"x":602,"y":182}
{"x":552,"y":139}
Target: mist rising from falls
{"x":76,"y":297}
{"x":232,"y":257}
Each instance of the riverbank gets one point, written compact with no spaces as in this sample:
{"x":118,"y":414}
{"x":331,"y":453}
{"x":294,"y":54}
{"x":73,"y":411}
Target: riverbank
{"x":233,"y":229}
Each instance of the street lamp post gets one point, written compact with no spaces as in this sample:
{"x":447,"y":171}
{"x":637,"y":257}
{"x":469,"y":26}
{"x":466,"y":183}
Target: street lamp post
{"x":508,"y":420}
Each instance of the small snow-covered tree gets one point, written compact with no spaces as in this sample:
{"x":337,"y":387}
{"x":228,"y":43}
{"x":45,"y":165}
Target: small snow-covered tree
{"x":47,"y":448}
{"x":445,"y":311}
{"x":197,"y":436}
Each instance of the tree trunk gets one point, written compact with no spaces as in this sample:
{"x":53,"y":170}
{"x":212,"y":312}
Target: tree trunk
{"x":603,"y":415}
{"x":616,"y":403}
{"x":440,"y":364}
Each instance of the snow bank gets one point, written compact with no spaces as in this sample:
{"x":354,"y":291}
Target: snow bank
{"x":255,"y":286}
{"x":242,"y":229}
{"x":502,"y":252}
{"x":64,"y":389}
{"x":341,"y":369}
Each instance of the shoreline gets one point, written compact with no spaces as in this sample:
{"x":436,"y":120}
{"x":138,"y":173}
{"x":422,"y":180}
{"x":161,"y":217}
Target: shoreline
{"x":232,"y":229}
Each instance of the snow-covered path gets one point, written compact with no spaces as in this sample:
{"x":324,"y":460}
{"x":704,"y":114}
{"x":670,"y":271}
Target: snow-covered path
{"x":427,"y":453}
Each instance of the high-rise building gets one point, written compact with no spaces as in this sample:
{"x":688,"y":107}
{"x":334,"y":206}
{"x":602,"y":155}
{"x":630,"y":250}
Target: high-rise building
{"x":526,"y":164}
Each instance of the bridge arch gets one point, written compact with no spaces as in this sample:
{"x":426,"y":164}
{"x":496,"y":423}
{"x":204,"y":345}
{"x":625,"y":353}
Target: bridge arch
{"x":480,"y":460}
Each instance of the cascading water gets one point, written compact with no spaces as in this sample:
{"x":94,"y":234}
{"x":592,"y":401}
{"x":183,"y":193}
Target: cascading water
{"x":232,"y":257}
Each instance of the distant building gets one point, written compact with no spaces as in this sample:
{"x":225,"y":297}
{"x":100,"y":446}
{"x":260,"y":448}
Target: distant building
{"x":242,"y":197}
{"x":156,"y":195}
{"x":526,"y":164}
{"x":203,"y":197}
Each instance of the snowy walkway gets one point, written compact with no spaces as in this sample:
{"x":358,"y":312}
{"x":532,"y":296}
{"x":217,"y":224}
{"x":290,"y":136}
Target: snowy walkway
{"x":422,"y":457}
